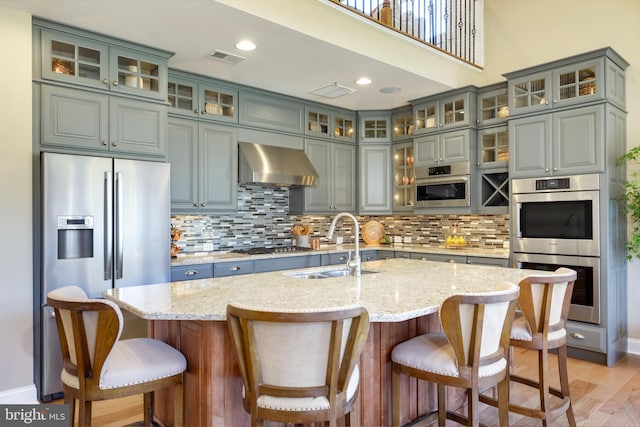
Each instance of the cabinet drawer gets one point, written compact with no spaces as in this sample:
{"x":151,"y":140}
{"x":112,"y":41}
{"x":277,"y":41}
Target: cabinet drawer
{"x":501,"y":262}
{"x":224,"y":269}
{"x":461,"y":259}
{"x":286,"y":263}
{"x":385,"y":254}
{"x":336,"y":258}
{"x":586,"y":337}
{"x":191,"y":272}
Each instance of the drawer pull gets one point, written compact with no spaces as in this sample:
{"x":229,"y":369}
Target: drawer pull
{"x":343,"y":258}
{"x":577,"y":335}
{"x":191,"y":273}
{"x":234,"y":268}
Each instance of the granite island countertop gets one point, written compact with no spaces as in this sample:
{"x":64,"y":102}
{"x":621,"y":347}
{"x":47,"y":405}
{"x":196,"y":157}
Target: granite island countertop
{"x":214,"y":257}
{"x":400,"y":289}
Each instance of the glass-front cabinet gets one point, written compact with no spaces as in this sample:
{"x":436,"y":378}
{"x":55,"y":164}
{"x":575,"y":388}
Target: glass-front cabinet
{"x":493,"y":105}
{"x":328,"y":123}
{"x":403,"y":182}
{"x":82,"y":60}
{"x":450,"y":111}
{"x":402,"y":125}
{"x":493,"y":147}
{"x":193,"y":98}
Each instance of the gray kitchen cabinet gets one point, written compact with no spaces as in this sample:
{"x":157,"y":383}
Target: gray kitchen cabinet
{"x":232,"y":268}
{"x":324,"y":122}
{"x":403,"y":177}
{"x":193,"y":97}
{"x":79,"y":120}
{"x":492,"y":170}
{"x":204,"y":163}
{"x":335,"y":188}
{"x":371,"y":255}
{"x":78,"y":57}
{"x":443,"y":148}
{"x":191,"y":272}
{"x":493,"y":147}
{"x":375,"y":126}
{"x":449,"y":110}
{"x":286,"y":263}
{"x":385,"y":254}
{"x":589,"y":77}
{"x":460,"y":259}
{"x":402,"y":254}
{"x":335,"y":258}
{"x":562,"y":143}
{"x":493,"y":105}
{"x":402,"y":124}
{"x":375,"y":169}
{"x":271,"y":111}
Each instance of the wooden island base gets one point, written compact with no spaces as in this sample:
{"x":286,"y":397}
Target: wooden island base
{"x":214,"y":389}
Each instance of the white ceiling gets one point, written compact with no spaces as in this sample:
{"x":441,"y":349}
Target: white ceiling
{"x":286,"y":61}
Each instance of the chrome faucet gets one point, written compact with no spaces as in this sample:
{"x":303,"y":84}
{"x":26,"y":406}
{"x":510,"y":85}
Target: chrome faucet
{"x":353,"y":264}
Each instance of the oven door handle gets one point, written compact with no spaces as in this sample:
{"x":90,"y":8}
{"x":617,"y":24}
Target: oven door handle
{"x":443,"y":180}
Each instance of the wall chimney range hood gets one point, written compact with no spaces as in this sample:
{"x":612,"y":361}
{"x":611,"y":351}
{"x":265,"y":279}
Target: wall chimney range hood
{"x":268,"y":164}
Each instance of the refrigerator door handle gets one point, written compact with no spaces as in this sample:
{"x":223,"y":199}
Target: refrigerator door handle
{"x":119,"y":231}
{"x":108,"y":225}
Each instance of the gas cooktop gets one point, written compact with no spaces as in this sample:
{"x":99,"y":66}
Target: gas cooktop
{"x":277,"y":249}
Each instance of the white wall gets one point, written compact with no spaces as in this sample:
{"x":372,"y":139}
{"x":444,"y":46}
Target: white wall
{"x":519,"y":34}
{"x":16,"y":322}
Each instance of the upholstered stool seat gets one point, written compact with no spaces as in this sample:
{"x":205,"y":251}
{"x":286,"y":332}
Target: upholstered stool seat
{"x":99,"y":366}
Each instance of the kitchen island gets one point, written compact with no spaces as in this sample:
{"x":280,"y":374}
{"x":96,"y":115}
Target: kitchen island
{"x":402,"y":297}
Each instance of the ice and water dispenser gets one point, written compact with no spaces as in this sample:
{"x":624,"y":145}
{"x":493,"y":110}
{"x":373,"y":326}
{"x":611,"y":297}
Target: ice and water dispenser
{"x":75,"y":237}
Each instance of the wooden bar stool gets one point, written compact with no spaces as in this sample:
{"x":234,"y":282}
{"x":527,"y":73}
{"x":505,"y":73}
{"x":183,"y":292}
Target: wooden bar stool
{"x":472,"y":353}
{"x":540,"y":325}
{"x":299,"y":367}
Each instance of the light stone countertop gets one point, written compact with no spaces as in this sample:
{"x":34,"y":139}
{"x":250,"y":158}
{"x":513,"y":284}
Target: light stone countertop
{"x":401,"y":289}
{"x":214,"y":257}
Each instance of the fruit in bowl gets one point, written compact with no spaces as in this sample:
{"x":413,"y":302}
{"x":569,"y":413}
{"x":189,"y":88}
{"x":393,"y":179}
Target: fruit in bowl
{"x":385,"y":240}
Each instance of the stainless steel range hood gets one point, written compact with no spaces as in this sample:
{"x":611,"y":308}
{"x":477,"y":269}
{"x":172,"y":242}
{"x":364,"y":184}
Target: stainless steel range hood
{"x":267,"y":164}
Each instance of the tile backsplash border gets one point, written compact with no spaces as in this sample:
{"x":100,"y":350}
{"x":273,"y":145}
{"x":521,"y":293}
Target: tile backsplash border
{"x":262,"y":219}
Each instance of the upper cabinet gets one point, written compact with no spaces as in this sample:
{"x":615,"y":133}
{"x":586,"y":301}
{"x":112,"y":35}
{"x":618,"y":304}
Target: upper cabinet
{"x":588,"y":77}
{"x":493,"y":105}
{"x":77,"y":57}
{"x":404,"y":177}
{"x":375,"y":126}
{"x":402,"y":124}
{"x":190,"y":97}
{"x":445,"y":111}
{"x":271,"y":111}
{"x":323,"y":122}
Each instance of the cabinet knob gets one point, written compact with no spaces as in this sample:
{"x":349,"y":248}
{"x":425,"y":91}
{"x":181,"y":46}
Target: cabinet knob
{"x":196,"y":111}
{"x":195,"y":205}
{"x":105,"y":81}
{"x":104,"y":142}
{"x":343,"y":258}
{"x":555,"y":169}
{"x":546,"y":169}
{"x":477,"y":163}
{"x":191,"y":273}
{"x":114,"y":143}
{"x":234,"y":268}
{"x":577,"y":335}
{"x":115,"y":83}
{"x":202,"y":205}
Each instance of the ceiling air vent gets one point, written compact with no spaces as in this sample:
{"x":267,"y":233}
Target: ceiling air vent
{"x":333,"y":90}
{"x":226,"y":57}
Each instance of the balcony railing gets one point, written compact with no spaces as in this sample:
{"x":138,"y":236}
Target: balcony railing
{"x":450,"y":26}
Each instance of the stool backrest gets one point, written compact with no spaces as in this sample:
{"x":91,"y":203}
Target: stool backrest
{"x":88,"y":329}
{"x":545,"y":300}
{"x":478,"y":325}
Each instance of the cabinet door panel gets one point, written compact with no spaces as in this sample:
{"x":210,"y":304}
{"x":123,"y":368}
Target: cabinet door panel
{"x":183,"y":156}
{"x":455,"y":146}
{"x":426,"y":150}
{"x":578,"y":137}
{"x":375,"y":179}
{"x":344,"y":177}
{"x":317,"y":196}
{"x":137,"y":127}
{"x":529,"y":140}
{"x":218,"y":167}
{"x":74,"y":118}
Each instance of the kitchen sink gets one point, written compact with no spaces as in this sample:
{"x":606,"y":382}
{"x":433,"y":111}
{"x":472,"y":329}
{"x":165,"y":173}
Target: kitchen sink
{"x":342,"y":272}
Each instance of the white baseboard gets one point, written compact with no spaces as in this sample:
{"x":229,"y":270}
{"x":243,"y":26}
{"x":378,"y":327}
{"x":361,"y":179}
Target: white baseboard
{"x":633,"y":346}
{"x":24,"y":395}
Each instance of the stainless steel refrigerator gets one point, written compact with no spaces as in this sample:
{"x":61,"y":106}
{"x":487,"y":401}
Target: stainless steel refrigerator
{"x":105,"y":223}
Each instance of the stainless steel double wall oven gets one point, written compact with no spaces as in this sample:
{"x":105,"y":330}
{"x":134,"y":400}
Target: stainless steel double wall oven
{"x":556,"y":222}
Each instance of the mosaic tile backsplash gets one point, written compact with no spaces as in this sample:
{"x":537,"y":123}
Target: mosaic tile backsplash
{"x":262,"y":219}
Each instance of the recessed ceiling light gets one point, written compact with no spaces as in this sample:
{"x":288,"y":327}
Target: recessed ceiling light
{"x":245,"y":45}
{"x":390,"y":89}
{"x":363,"y":81}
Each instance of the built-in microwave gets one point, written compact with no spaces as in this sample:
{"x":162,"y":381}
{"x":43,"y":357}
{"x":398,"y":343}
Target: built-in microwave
{"x":556,"y":215}
{"x":442,"y":186}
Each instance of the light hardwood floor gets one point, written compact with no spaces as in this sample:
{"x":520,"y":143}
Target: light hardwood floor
{"x":601,"y":396}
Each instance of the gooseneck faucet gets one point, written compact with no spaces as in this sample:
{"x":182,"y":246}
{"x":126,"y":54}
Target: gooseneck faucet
{"x":353,"y":264}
